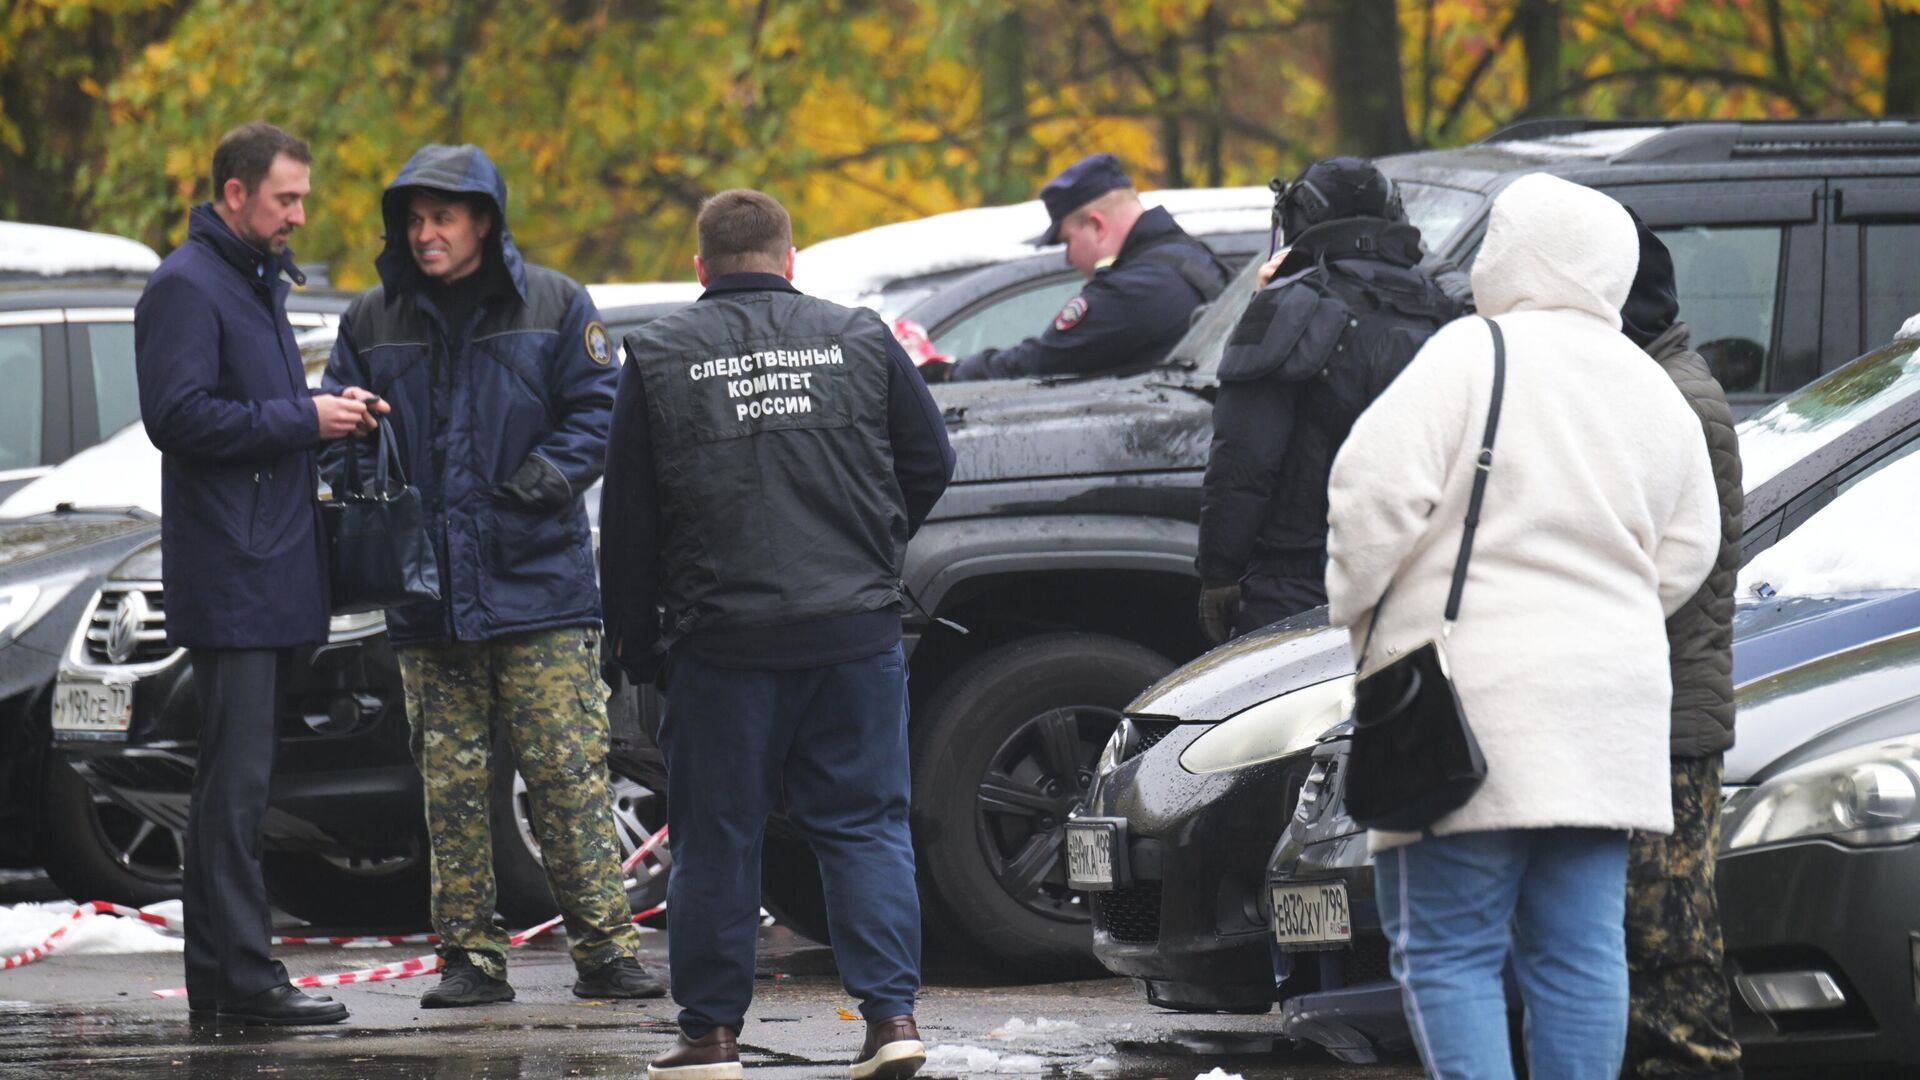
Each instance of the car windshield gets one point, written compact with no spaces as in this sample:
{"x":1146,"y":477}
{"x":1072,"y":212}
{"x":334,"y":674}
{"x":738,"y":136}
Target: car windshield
{"x":1860,"y":542}
{"x":1797,"y":425}
{"x":1438,"y":212}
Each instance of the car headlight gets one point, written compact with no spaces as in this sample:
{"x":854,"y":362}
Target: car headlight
{"x":22,"y":605}
{"x":1272,"y":729}
{"x":1860,"y":797}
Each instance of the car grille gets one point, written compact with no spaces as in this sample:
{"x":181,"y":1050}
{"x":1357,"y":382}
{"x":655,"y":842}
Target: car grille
{"x":143,"y":637}
{"x":1130,"y":915}
{"x":1149,"y":732}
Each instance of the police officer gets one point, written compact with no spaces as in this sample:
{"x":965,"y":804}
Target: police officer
{"x":1145,"y":277}
{"x":501,"y":380}
{"x":771,"y":454}
{"x":1346,"y":309}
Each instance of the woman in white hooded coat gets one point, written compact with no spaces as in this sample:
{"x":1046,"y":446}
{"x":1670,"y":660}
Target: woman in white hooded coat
{"x":1599,"y":520}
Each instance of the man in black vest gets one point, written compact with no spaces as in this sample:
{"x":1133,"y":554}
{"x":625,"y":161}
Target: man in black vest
{"x":1144,"y":274}
{"x":771,"y":454}
{"x":1346,"y":309}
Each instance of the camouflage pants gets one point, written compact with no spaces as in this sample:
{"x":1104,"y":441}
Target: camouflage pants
{"x":1680,"y":1023}
{"x":545,"y":690}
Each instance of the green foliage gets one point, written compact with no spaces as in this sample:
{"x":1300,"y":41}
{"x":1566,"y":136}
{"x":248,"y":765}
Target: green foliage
{"x":612,"y":118}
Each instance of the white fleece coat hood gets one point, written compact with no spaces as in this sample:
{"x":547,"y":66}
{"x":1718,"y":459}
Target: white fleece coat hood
{"x":1599,"y":520}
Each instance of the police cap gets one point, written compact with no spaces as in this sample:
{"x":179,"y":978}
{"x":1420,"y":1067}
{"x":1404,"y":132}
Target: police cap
{"x":1077,"y":185}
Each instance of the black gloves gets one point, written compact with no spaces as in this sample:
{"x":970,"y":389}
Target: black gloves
{"x":535,"y":486}
{"x":1219,"y":606}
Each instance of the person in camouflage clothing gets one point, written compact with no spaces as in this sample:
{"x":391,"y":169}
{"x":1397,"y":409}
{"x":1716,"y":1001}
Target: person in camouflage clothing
{"x":1680,"y":1020}
{"x":501,"y":380}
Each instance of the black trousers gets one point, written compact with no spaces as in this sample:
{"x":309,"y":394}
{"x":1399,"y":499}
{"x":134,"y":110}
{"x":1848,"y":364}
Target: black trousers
{"x":1268,"y":598}
{"x":228,"y":922}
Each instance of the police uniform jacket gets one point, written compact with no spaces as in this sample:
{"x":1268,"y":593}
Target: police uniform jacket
{"x":1345,"y":312}
{"x":1128,"y":316}
{"x":224,"y":399}
{"x":771,"y":455}
{"x":524,"y":382}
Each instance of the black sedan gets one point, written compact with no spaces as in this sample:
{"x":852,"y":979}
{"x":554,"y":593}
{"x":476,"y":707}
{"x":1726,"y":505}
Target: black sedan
{"x":1816,"y":599}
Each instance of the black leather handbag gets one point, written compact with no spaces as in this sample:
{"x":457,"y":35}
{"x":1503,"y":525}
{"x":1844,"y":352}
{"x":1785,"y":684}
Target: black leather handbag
{"x":1414,"y":758}
{"x":380,"y":551}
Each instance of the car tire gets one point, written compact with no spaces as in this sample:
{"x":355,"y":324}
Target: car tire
{"x":523,"y":896}
{"x":390,"y":893}
{"x":1033,"y":715}
{"x":94,"y":849}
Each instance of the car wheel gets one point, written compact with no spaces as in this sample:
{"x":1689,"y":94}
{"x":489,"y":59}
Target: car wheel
{"x":95,"y":849}
{"x":790,"y":886}
{"x":1003,"y":754}
{"x":388,"y":891}
{"x":524,"y":896}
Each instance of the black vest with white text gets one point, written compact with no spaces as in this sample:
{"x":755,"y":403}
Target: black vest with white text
{"x":767,"y":413}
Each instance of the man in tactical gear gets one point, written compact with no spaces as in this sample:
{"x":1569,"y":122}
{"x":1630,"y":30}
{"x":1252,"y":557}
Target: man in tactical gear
{"x":501,"y":379}
{"x":1145,"y":276}
{"x":771,"y":455}
{"x":1346,"y":309}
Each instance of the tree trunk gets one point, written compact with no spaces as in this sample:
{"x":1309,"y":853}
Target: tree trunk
{"x":1167,"y":96}
{"x":1369,"y":107}
{"x":1539,"y":26}
{"x":1008,"y":154}
{"x":1903,"y":62}
{"x":1213,"y":140}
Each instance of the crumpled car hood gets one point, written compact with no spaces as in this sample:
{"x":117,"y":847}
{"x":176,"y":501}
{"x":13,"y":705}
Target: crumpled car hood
{"x":1014,"y":430}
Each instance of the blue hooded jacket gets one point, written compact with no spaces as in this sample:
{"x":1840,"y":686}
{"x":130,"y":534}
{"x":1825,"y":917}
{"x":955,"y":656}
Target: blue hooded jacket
{"x":501,"y":421}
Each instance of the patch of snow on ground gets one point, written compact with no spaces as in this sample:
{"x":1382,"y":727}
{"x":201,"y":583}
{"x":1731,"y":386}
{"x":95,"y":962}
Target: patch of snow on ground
{"x":1219,"y":1073}
{"x":23,"y":926}
{"x":1016,"y":1028}
{"x":949,"y":1060}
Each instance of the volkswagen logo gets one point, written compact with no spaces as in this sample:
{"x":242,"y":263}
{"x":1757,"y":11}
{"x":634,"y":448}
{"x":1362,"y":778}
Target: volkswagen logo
{"x":123,"y":634}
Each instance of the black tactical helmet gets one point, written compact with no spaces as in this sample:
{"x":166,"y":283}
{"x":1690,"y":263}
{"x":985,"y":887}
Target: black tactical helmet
{"x":1331,"y":189}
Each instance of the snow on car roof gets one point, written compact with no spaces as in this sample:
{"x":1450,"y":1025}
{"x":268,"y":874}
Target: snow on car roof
{"x":612,"y":294}
{"x":1859,"y":542}
{"x":1599,"y":144}
{"x":51,"y":251}
{"x":856,"y":267}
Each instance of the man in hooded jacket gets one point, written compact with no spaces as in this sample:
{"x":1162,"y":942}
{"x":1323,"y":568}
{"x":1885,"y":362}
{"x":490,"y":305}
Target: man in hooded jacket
{"x":501,"y":380}
{"x":1680,"y":1021}
{"x":1346,"y":309}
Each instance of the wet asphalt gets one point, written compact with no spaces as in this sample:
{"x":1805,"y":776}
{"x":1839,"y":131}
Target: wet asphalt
{"x":94,"y":1016}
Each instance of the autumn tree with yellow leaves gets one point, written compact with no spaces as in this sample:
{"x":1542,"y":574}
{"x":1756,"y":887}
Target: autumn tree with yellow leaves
{"x":612,"y":118}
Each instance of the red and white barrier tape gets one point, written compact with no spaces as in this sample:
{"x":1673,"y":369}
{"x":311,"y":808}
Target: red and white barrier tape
{"x":406,"y":969}
{"x":641,"y":852}
{"x":90,"y":908}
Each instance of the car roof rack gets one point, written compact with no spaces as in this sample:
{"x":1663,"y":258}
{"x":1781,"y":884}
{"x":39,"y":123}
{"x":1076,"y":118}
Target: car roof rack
{"x":1705,"y":141}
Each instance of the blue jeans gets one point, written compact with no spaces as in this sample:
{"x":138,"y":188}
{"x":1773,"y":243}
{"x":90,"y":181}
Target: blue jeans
{"x":1456,"y":907}
{"x":832,"y":743}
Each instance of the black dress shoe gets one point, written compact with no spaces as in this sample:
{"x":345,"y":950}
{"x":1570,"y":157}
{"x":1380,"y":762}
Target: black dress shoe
{"x":280,"y":1005}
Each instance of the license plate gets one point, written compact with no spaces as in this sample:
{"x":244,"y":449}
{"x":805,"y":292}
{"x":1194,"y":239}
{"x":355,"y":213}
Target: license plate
{"x":1312,"y":914}
{"x":92,"y":709}
{"x":1092,"y":854}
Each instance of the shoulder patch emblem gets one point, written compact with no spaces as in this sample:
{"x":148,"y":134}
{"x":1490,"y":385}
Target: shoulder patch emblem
{"x":1071,"y":314}
{"x":599,"y":349}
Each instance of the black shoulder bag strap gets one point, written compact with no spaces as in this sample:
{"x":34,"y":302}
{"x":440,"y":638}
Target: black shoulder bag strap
{"x":1483,"y":465}
{"x":1481,"y":468}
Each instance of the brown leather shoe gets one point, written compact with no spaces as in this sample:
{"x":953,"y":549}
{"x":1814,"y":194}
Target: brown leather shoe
{"x":713,"y":1056}
{"x":893,"y":1050}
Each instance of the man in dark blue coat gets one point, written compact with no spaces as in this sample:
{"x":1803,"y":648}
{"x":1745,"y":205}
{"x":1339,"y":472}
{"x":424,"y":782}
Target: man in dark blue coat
{"x":501,"y":379}
{"x":225,"y":400}
{"x":1145,"y":276}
